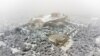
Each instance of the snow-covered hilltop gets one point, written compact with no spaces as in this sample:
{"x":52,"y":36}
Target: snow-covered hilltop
{"x":50,"y":35}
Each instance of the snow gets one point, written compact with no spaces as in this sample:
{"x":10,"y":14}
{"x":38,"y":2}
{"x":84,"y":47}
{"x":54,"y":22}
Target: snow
{"x":14,"y":50}
{"x":2,"y":43}
{"x":98,"y":40}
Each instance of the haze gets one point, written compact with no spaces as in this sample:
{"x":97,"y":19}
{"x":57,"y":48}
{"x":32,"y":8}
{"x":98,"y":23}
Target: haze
{"x":20,"y":11}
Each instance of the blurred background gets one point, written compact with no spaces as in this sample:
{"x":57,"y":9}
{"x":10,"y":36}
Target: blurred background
{"x":17,"y":12}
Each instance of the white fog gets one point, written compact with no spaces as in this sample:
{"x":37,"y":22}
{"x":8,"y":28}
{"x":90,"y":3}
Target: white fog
{"x":20,"y":11}
{"x":50,"y":32}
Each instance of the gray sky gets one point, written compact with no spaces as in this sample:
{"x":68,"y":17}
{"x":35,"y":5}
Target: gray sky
{"x":19,"y":11}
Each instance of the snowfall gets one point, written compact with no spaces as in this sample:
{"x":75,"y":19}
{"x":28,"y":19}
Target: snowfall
{"x":21,"y":40}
